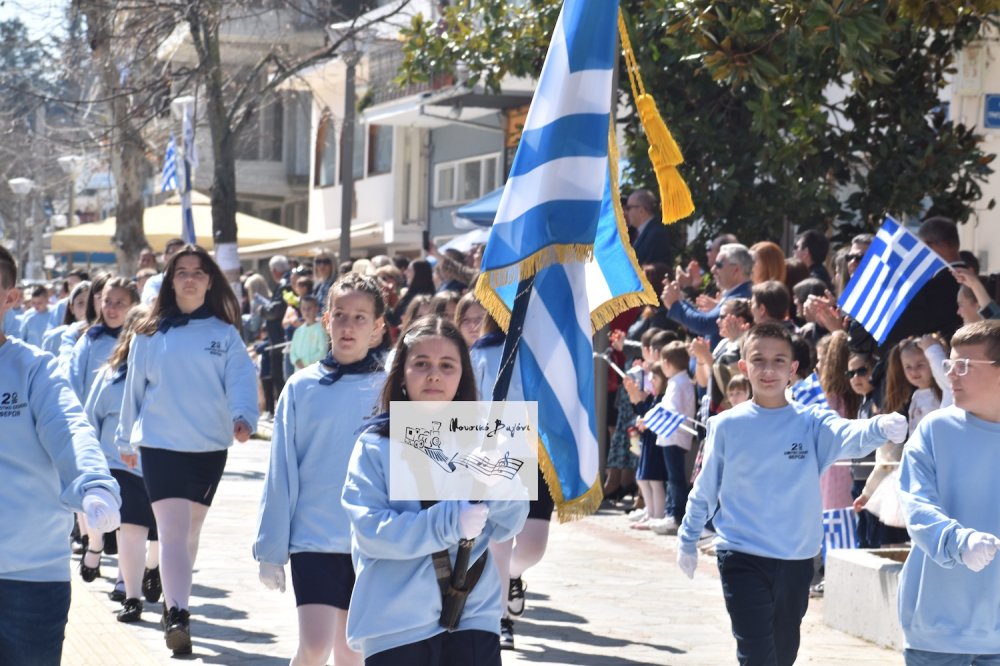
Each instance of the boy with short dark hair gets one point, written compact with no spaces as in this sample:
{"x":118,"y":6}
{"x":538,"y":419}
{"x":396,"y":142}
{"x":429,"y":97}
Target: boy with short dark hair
{"x":36,"y":321}
{"x":767,"y":534}
{"x":949,"y":591}
{"x":51,"y":463}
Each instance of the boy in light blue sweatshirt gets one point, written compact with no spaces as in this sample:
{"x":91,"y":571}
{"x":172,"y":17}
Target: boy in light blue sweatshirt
{"x":37,"y":320}
{"x":759,"y":484}
{"x":51,"y":464}
{"x":949,"y":592}
{"x":319,"y":414}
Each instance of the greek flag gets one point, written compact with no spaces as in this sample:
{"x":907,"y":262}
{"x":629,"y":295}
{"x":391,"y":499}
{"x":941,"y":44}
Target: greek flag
{"x":169,"y":176}
{"x":662,"y":421}
{"x":545,"y":253}
{"x":840,"y":529}
{"x":808,"y":391}
{"x":895,"y":267}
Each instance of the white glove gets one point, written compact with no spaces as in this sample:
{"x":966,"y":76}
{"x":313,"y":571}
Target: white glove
{"x":894,"y":427}
{"x":688,"y":562}
{"x":272,"y":576}
{"x":979,"y":551}
{"x":101,"y":509}
{"x":471,"y":519}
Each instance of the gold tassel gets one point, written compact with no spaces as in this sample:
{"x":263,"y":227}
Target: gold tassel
{"x":675,"y":197}
{"x":574,"y":509}
{"x":656,"y":130}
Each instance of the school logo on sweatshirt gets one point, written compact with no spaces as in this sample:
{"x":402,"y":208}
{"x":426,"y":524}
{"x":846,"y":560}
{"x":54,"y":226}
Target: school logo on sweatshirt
{"x":11,"y":405}
{"x":797,"y":452}
{"x":215,"y":348}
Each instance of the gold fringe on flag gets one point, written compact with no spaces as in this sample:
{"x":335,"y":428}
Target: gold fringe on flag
{"x":602,"y":315}
{"x":664,"y":153}
{"x":582,"y":506}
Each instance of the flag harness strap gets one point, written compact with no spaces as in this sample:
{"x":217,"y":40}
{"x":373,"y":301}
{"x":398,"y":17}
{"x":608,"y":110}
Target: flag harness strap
{"x":457,"y":583}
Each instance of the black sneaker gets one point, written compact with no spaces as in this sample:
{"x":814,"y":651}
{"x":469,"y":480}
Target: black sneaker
{"x":118,"y":592}
{"x":131,"y":611}
{"x":506,"y":633}
{"x":515,"y":597}
{"x":178,"y":632}
{"x":152,"y":588}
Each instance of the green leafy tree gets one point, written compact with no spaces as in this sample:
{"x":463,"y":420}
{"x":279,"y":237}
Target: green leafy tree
{"x":814,"y":113}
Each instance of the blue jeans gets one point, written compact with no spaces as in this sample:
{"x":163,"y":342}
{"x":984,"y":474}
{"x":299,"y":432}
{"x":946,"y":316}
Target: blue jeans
{"x":766,"y":599}
{"x":32,"y":622}
{"x":677,"y":485}
{"x":923,"y":658}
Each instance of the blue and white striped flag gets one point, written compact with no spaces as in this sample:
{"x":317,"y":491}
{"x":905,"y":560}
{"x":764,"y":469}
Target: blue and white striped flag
{"x":169,"y":175}
{"x":895,"y":267}
{"x":547,"y":223}
{"x":662,"y":421}
{"x":840,"y":529}
{"x":809,"y":391}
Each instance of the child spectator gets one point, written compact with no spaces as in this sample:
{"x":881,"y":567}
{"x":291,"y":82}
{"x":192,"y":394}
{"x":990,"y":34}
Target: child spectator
{"x":310,"y":342}
{"x":652,"y":472}
{"x":678,"y":398}
{"x":767,"y":534}
{"x":738,"y":390}
{"x":831,"y":367}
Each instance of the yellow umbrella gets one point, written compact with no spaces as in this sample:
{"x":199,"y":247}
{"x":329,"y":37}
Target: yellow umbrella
{"x":163,"y":222}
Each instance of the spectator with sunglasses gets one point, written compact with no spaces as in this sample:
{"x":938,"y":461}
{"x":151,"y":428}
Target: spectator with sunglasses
{"x":325,"y":274}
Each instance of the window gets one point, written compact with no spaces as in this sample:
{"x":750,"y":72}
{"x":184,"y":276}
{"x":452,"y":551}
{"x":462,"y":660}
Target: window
{"x":358,"y":152}
{"x":262,"y":137}
{"x":379,"y":149}
{"x":465,"y":180}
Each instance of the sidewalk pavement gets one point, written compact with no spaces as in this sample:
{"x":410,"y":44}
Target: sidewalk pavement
{"x":603,"y":595}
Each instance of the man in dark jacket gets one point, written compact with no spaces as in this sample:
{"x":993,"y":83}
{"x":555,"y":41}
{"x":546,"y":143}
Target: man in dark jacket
{"x":273,"y":313}
{"x":652,"y":240}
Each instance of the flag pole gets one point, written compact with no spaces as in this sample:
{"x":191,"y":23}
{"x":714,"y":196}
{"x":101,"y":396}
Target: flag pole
{"x":509,"y":355}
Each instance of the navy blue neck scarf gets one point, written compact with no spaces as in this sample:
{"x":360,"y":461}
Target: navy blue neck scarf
{"x":490,"y":340}
{"x":120,"y":374}
{"x":337,"y":370}
{"x":98,"y":330}
{"x":182,"y":319}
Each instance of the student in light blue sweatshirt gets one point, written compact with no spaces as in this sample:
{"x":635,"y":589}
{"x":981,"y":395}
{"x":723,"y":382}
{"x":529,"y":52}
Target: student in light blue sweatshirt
{"x":759,"y":483}
{"x":94,"y":346}
{"x":103,"y":408}
{"x":37,"y":320}
{"x":51,"y":464}
{"x":76,"y":310}
{"x":71,"y":335}
{"x":396,"y":604}
{"x":190,"y":389}
{"x":319,"y":414}
{"x":949,"y":591}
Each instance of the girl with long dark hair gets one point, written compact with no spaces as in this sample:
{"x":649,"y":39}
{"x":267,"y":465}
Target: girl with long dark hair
{"x":190,"y":390}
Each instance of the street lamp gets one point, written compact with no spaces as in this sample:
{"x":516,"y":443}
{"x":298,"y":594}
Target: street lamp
{"x":183,"y":108}
{"x":353,"y":44}
{"x":22,"y":188}
{"x":71,"y":165}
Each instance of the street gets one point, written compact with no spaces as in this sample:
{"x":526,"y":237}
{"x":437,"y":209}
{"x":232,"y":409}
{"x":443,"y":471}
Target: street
{"x":603,"y":595}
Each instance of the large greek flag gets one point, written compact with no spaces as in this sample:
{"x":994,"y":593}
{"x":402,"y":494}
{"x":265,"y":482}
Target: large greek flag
{"x":169,"y":176}
{"x":561,"y":199}
{"x":895,"y":267}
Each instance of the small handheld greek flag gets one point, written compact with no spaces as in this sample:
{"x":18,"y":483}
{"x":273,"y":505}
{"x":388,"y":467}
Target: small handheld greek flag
{"x":169,"y":176}
{"x":895,"y":267}
{"x":840,"y":529}
{"x":662,"y":421}
{"x":808,"y":391}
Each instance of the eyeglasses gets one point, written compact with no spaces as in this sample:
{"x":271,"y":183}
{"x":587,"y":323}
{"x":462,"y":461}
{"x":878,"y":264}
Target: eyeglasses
{"x":328,"y":262}
{"x":471,"y":321}
{"x":630,"y":206}
{"x":855,"y":257}
{"x":857,"y":372}
{"x":719,"y":263}
{"x":961,"y":365}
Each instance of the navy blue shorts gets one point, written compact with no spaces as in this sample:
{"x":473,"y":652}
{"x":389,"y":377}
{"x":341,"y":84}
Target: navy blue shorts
{"x":322,"y":578}
{"x":136,"y":508}
{"x":182,"y":474}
